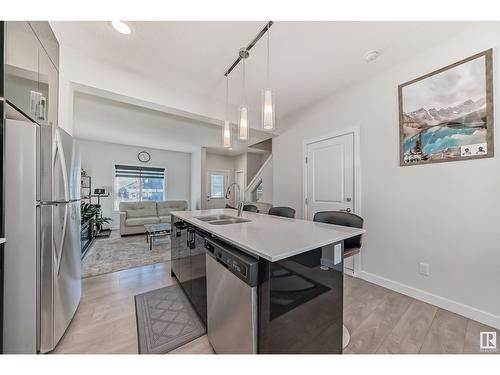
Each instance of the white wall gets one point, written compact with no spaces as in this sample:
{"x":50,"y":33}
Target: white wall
{"x":196,"y":179}
{"x":267,"y":183}
{"x":254,"y":162}
{"x":240,"y":163}
{"x":98,"y":159}
{"x":265,"y":174}
{"x":445,"y":214}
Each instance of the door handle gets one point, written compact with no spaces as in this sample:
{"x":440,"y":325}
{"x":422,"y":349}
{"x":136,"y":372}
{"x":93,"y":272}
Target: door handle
{"x":190,"y":238}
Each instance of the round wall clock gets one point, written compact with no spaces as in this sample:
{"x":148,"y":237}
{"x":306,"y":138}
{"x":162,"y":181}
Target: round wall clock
{"x":144,"y":156}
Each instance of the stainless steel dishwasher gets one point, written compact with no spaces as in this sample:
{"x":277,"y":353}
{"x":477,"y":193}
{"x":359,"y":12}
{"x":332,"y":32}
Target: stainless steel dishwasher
{"x":231,"y":298}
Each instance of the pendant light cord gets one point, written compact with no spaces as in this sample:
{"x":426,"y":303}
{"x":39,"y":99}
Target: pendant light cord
{"x":268,"y":49}
{"x":244,"y":86}
{"x":227,"y":97}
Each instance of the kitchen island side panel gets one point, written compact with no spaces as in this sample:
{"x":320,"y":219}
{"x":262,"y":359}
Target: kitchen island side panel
{"x":301,"y":304}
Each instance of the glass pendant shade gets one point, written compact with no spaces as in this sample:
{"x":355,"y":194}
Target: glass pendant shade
{"x":268,"y":109}
{"x":243,"y":123}
{"x":227,"y":134}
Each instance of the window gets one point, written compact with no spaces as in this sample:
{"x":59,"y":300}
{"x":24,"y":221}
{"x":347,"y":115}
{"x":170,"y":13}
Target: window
{"x":216,"y":185}
{"x":136,"y":184}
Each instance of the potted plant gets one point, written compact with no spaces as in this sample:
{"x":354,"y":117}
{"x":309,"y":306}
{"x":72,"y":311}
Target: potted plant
{"x":88,"y":211}
{"x":89,"y":214}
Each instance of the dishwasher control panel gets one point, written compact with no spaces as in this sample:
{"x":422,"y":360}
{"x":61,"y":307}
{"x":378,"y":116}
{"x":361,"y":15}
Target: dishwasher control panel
{"x":239,"y":263}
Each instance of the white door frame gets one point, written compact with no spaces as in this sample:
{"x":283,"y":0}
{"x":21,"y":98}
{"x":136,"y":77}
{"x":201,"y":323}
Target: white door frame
{"x":355,"y":131}
{"x":243,"y":195}
{"x":207,"y":182}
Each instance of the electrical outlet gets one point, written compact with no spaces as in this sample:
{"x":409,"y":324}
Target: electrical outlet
{"x":424,"y":269}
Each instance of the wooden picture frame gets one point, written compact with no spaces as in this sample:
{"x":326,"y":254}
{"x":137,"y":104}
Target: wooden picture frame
{"x":460,"y":124}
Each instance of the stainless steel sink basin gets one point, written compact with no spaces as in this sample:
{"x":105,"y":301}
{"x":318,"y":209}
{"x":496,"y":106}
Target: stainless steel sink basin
{"x":214,"y":217}
{"x":232,"y":220}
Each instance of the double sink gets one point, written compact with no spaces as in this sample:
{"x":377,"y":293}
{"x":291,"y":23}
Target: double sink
{"x":222,"y":219}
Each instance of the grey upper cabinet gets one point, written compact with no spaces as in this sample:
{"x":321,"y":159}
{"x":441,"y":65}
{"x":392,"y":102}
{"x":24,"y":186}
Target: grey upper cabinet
{"x":48,"y":87}
{"x":21,"y":67}
{"x":47,"y":39}
{"x":31,"y":78}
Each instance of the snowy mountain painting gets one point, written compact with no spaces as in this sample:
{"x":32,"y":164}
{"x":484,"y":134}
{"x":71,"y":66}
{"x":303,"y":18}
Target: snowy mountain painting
{"x":447,"y":115}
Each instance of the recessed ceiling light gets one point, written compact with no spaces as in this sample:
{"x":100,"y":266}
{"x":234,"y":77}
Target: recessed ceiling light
{"x":121,"y":27}
{"x":372,"y":55}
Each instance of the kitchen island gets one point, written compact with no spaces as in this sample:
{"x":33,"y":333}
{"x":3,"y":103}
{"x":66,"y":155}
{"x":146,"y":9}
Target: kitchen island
{"x":298,"y":297}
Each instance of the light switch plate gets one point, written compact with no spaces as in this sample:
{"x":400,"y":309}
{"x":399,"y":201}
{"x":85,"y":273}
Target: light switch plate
{"x":424,"y":269}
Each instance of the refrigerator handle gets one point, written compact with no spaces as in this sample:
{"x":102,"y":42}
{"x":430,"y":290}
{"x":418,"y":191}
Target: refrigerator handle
{"x":59,"y":156}
{"x":61,"y":244}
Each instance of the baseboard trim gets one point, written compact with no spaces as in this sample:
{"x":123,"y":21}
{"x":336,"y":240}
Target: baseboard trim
{"x":444,"y":303}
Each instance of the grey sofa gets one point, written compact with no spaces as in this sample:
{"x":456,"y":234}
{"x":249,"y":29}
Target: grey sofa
{"x":133,"y":215}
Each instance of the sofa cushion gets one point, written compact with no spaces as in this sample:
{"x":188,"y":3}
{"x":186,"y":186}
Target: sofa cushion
{"x":142,"y":220}
{"x":165,"y":219}
{"x":138,"y":209}
{"x":165,"y":207}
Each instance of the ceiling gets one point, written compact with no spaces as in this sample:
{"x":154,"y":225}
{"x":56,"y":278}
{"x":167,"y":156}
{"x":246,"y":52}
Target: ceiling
{"x":102,"y":119}
{"x":309,"y":60}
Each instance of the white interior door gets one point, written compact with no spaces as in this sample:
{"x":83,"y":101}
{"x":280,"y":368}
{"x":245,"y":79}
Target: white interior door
{"x":216,"y":185}
{"x":330,"y":177}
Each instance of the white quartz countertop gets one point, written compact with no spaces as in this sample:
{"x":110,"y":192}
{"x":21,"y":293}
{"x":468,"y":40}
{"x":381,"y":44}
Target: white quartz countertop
{"x":270,"y":237}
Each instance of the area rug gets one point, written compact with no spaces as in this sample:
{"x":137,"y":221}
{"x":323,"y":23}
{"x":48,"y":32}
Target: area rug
{"x":120,"y":253}
{"x":165,"y":320}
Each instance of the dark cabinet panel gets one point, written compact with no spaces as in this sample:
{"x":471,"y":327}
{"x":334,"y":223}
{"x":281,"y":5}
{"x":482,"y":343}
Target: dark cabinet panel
{"x":300,"y":304}
{"x":188,"y":265}
{"x":199,"y":275}
{"x":1,"y":298}
{"x":181,"y":262}
{"x":184,"y":276}
{"x":175,"y":247}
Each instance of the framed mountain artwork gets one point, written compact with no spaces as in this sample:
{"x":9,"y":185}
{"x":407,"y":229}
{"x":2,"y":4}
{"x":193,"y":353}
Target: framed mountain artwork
{"x":447,"y":115}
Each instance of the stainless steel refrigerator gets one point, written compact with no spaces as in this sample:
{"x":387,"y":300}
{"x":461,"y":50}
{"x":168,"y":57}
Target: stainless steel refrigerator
{"x":42,"y":226}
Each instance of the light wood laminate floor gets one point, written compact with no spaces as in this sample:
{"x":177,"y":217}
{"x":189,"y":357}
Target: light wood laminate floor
{"x":379,"y":320}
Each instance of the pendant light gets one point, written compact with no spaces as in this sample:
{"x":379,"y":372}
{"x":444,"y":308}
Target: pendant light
{"x":268,"y":110}
{"x":243,"y":108}
{"x":227,"y":124}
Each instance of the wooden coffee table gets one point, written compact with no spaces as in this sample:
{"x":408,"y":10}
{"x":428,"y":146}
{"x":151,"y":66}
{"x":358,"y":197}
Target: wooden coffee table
{"x":155,"y":231}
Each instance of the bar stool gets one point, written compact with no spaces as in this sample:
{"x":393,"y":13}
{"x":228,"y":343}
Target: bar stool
{"x":352,"y":245}
{"x":282,"y":211}
{"x":250,"y":208}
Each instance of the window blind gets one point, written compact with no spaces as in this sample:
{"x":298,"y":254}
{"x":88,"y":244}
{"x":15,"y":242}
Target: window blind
{"x":135,"y":171}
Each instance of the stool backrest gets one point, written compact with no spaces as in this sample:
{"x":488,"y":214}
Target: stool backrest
{"x":250,"y":208}
{"x":342,"y":218}
{"x":282,"y":211}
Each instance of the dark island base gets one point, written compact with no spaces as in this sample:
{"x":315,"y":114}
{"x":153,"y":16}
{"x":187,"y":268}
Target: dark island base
{"x":300,"y":302}
{"x":300,"y":305}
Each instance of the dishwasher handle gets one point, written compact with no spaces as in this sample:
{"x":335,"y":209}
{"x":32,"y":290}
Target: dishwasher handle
{"x":242,"y":265}
{"x":209,"y":247}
